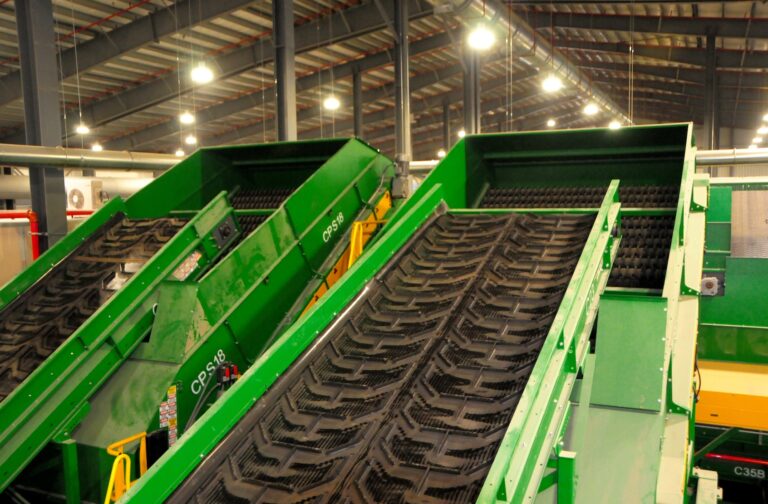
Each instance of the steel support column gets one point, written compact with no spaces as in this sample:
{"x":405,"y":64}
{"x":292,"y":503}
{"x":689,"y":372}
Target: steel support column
{"x":447,"y":126}
{"x":402,"y":99}
{"x":285,"y":71}
{"x":357,"y":102}
{"x":37,"y":58}
{"x":471,"y":92}
{"x":711,"y":116}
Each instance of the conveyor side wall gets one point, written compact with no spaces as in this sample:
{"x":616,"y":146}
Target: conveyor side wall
{"x":172,"y":469}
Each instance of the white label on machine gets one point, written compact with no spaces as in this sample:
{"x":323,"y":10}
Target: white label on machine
{"x":333,"y":227}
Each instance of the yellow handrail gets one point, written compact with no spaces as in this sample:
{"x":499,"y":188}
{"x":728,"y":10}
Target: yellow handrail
{"x":120,"y":478}
{"x":361,"y":232}
{"x":119,"y":481}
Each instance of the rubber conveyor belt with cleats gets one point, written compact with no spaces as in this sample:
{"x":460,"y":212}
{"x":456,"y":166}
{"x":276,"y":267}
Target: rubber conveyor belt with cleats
{"x":37,"y":322}
{"x":409,"y":397}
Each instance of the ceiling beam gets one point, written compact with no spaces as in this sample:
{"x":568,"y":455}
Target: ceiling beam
{"x":726,"y":58}
{"x":694,"y":76}
{"x":338,"y":27}
{"x":673,"y":25}
{"x":128,"y":37}
{"x":222,"y":110}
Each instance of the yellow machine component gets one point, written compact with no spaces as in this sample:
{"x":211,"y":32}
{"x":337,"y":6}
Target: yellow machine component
{"x":361,"y":233}
{"x":120,"y":478}
{"x":733,"y":395}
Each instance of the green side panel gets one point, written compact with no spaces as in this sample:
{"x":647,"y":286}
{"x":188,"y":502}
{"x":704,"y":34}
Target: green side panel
{"x":629,"y":353}
{"x":718,"y":237}
{"x":720,"y":199}
{"x":733,"y":327}
{"x":59,"y":251}
{"x":124,"y":414}
{"x":745,"y":291}
{"x":733,"y":343}
{"x":621,"y":454}
{"x":177,"y":309}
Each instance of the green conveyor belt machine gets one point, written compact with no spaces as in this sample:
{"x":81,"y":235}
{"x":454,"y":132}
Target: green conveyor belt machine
{"x":523,"y":329}
{"x":142,"y":316}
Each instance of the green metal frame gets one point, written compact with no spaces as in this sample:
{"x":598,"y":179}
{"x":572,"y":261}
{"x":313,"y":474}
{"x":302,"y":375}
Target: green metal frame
{"x":242,"y":301}
{"x":53,"y":397}
{"x":642,"y":155}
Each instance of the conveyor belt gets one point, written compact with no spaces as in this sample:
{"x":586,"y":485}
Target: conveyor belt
{"x":579,"y":197}
{"x":408,"y":399}
{"x":260,"y":198}
{"x":38,"y":321}
{"x":641,"y":261}
{"x":256,"y":199}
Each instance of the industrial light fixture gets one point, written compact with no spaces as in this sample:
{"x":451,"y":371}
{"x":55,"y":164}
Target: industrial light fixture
{"x":614,"y":124}
{"x":481,"y":38}
{"x":752,"y":147}
{"x":591,"y":109}
{"x":201,"y":74}
{"x":762,"y":130}
{"x":186,"y":118}
{"x":757,"y":140}
{"x":552,"y":84}
{"x":765,"y":118}
{"x":190,"y":140}
{"x":331,"y":103}
{"x":441,"y":153}
{"x":82,"y":129}
{"x":97,"y":147}
{"x":462,"y":133}
{"x":551,"y":123}
{"x":179,"y":152}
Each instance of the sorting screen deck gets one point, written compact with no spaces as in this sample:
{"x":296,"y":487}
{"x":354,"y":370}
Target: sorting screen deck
{"x":641,"y":261}
{"x":38,"y":321}
{"x":408,"y":397}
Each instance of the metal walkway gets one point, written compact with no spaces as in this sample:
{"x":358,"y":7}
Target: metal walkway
{"x":408,"y":398}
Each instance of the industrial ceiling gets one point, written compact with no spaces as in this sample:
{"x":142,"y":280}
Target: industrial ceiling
{"x":124,"y":67}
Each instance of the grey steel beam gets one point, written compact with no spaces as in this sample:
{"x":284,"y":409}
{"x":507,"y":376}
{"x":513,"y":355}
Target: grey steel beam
{"x":685,"y":75}
{"x":105,"y":46}
{"x":446,"y":125}
{"x":685,"y":55}
{"x":285,"y":69}
{"x":471,"y":91}
{"x":694,"y":26}
{"x":37,"y":56}
{"x":710,"y":94}
{"x":357,"y":102}
{"x":402,"y":98}
{"x":256,"y":99}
